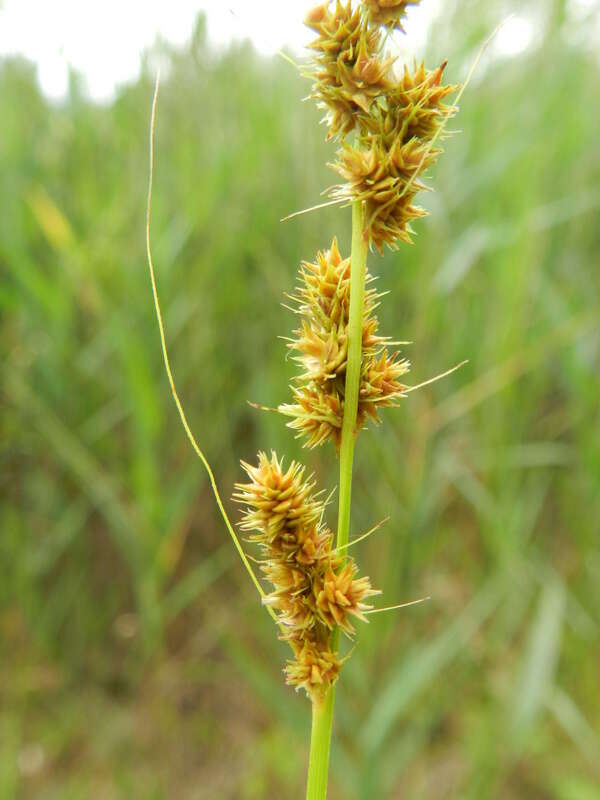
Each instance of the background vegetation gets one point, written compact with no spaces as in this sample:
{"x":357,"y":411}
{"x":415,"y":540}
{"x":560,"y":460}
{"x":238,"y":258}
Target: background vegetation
{"x":136,"y":662}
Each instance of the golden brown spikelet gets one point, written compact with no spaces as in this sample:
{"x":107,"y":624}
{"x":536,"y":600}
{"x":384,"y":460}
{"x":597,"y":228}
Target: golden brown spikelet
{"x":380,"y":179}
{"x":313,"y":588}
{"x":338,"y":595}
{"x":383,"y":169}
{"x":416,"y":104}
{"x":379,"y":384}
{"x":397,"y":119}
{"x":278,"y":502}
{"x":315,"y":667}
{"x":316,"y":414}
{"x":390,"y":13}
{"x":349,"y":73}
{"x":321,"y":344}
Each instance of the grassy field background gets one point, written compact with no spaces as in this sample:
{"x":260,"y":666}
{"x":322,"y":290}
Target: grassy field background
{"x":135,"y":659}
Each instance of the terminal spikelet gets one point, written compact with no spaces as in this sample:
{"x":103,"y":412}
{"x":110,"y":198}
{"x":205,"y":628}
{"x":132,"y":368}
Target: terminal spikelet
{"x":323,"y":302}
{"x":397,"y":118}
{"x":314,"y":588}
{"x":349,"y":71}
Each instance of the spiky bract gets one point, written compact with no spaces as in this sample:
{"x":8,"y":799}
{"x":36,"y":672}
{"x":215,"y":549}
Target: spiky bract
{"x":314,"y":588}
{"x":323,"y":302}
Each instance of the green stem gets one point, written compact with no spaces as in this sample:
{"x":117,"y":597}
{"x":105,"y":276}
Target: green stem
{"x":322,"y":711}
{"x":358,"y":269}
{"x":320,"y":742}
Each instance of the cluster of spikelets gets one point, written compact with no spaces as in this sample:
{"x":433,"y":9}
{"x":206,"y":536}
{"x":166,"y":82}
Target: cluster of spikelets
{"x":397,"y":118}
{"x":322,"y":301}
{"x":315,"y":589}
{"x":397,"y":121}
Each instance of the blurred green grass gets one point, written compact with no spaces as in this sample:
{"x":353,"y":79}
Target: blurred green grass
{"x":136,"y":661}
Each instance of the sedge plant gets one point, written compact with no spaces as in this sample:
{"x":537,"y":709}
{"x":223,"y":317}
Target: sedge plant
{"x":388,"y":121}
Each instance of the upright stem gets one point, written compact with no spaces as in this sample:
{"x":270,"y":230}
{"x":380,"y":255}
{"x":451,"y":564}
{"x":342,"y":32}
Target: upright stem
{"x":358,"y":269}
{"x":322,"y":711}
{"x":320,"y":742}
